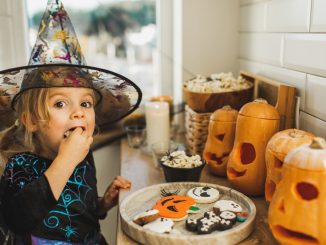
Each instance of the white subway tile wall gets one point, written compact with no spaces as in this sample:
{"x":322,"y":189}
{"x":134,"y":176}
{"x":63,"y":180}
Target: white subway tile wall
{"x":305,"y":52}
{"x":251,"y":66}
{"x":312,"y":124}
{"x":252,"y":18}
{"x":261,"y":47}
{"x":279,"y":19}
{"x":318,"y":16}
{"x":285,"y":46}
{"x":316,"y":96}
{"x":294,"y":78}
{"x":244,"y":2}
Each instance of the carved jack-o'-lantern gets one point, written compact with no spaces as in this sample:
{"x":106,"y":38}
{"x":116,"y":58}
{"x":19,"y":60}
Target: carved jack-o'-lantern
{"x":277,"y":148}
{"x":221,"y":131}
{"x":297,"y":211}
{"x":246,"y":168}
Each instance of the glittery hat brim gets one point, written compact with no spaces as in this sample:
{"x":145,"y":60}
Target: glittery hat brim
{"x":117,"y":95}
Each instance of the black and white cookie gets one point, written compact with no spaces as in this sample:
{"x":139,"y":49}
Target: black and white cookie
{"x":204,"y":194}
{"x":226,"y":205}
{"x":227,"y":215}
{"x":208,"y":225}
{"x":191,"y":224}
{"x":224,"y":224}
{"x":209,"y":214}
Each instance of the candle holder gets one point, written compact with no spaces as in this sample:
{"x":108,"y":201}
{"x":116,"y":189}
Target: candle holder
{"x":136,"y":135}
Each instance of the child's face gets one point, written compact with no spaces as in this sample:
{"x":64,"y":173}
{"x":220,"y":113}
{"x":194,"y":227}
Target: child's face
{"x":69,"y":108}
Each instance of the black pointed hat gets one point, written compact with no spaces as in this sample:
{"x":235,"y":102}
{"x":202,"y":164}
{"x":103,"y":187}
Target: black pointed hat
{"x":57,"y":61}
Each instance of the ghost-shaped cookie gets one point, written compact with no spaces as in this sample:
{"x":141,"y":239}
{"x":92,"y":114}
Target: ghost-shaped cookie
{"x":226,"y":205}
{"x":204,"y":194}
{"x":146,"y":217}
{"x":160,"y":225}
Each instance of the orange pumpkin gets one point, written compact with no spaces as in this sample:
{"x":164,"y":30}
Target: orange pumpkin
{"x":246,"y":168}
{"x":277,"y":148}
{"x":221,"y":131}
{"x":297,"y":211}
{"x":174,"y":207}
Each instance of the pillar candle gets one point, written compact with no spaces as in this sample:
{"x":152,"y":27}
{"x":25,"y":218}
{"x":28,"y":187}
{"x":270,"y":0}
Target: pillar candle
{"x":157,"y":122}
{"x":165,"y":98}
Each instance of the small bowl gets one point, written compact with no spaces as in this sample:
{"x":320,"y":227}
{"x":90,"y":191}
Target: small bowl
{"x":172,"y":174}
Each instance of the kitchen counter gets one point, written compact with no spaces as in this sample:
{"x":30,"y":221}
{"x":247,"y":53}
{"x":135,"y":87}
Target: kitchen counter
{"x":138,"y":167}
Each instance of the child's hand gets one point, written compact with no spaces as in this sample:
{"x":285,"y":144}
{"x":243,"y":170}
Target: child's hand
{"x":111,"y":195}
{"x":76,"y":146}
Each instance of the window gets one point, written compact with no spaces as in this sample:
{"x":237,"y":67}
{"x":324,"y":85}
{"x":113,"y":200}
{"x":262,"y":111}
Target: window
{"x":117,"y":35}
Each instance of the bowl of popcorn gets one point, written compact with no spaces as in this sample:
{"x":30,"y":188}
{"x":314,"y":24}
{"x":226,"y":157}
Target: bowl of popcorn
{"x":178,"y":166}
{"x":207,"y":94}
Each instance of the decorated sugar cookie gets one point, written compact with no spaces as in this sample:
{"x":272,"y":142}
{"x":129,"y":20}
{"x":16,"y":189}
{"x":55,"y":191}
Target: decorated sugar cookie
{"x":191,"y":224}
{"x":208,"y":225}
{"x":204,"y":194}
{"x":224,"y":225}
{"x":226,"y":205}
{"x":211,"y":222}
{"x":174,"y":207}
{"x":227,"y":215}
{"x":160,"y":225}
{"x":146,"y":217}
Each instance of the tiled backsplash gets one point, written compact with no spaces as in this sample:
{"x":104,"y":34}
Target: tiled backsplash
{"x":286,"y":40}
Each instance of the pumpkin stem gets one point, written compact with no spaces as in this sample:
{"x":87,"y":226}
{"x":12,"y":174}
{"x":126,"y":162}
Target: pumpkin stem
{"x":227,"y":108}
{"x":318,"y":143}
{"x":261,"y":100}
{"x":295,"y":133}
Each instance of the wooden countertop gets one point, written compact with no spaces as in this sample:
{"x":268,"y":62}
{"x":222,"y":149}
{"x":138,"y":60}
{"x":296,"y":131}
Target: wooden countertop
{"x":138,"y":167}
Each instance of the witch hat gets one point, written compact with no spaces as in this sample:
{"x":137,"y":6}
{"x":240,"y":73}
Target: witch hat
{"x":57,"y":61}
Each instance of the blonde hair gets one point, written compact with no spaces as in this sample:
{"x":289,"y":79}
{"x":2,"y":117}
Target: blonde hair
{"x":17,"y":138}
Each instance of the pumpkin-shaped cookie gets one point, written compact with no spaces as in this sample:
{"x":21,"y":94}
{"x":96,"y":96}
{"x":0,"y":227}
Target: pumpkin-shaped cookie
{"x":297,"y":211}
{"x":221,"y":131}
{"x":174,"y":207}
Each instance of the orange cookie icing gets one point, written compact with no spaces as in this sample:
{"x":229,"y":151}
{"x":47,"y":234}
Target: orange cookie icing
{"x":174,"y":207}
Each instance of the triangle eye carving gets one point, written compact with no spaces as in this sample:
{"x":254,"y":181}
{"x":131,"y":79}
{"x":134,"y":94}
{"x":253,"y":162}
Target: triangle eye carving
{"x":220,"y":137}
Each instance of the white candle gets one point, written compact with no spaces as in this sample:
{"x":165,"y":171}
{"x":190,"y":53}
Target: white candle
{"x":157,"y":122}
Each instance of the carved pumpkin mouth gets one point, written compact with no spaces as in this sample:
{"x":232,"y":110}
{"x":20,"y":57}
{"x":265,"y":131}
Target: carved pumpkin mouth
{"x":297,"y":237}
{"x":232,"y":173}
{"x":217,"y":160}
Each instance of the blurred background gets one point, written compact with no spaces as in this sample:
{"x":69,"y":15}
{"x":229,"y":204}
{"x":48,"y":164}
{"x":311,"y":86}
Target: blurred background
{"x":119,"y":35}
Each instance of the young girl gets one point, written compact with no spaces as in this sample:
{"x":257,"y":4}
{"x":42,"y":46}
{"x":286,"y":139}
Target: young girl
{"x":48,"y":187}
